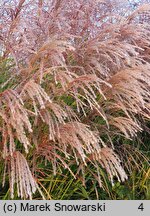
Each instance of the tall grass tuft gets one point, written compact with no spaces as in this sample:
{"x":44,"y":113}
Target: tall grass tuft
{"x":74,"y":86}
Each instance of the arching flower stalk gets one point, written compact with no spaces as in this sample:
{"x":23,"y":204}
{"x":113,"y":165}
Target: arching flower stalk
{"x":71,"y":74}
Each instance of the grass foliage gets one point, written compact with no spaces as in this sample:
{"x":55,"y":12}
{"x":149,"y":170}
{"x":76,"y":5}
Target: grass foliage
{"x":74,"y":99}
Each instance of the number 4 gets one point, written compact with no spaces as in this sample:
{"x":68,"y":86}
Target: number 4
{"x":141,"y":207}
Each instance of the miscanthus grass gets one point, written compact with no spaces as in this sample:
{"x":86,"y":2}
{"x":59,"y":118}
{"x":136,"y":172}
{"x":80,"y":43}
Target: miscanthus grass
{"x":75,"y":84}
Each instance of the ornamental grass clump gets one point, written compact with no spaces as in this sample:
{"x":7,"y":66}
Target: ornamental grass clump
{"x":73,"y":75}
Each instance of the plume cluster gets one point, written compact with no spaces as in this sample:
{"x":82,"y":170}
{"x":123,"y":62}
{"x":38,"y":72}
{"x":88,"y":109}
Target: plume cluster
{"x":20,"y":175}
{"x":71,"y":62}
